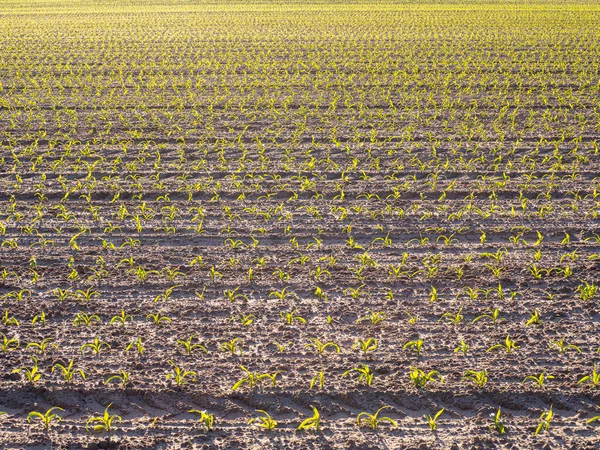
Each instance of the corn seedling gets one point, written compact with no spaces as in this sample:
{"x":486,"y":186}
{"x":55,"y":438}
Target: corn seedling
{"x":415,"y":346}
{"x":234,"y":346}
{"x":102,"y":423}
{"x":545,"y":420}
{"x":265,"y":421}
{"x":498,"y":425}
{"x":47,"y":418}
{"x":189,"y":346}
{"x":318,"y":379}
{"x":420,"y":378}
{"x":432,"y":420}
{"x":593,"y":378}
{"x":540,"y":379}
{"x":95,"y":346}
{"x":373,"y":420}
{"x":366,"y":345}
{"x":41,"y":347}
{"x":480,"y":378}
{"x":8,"y":344}
{"x":320,"y":347}
{"x":122,"y":377}
{"x":509,"y":345}
{"x":68,"y":372}
{"x":365,"y":374}
{"x":313,"y":422}
{"x":180,"y":376}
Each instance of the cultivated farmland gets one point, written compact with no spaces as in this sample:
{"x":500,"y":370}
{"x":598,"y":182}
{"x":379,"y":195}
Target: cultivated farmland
{"x":336,"y":225}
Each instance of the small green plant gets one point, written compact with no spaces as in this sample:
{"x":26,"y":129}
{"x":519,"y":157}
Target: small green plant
{"x":41,"y":347}
{"x":47,"y":418}
{"x":491,"y":314}
{"x":593,"y":378}
{"x":189,"y":346}
{"x":415,"y":346}
{"x":420,"y":378}
{"x":252,"y":379}
{"x":82,"y":318}
{"x":463,"y":348}
{"x":535,"y":319}
{"x":291,"y":317}
{"x":206,"y":419}
{"x":593,"y":419}
{"x":432,"y":420}
{"x":234,"y":346}
{"x":180,"y":376}
{"x":319,"y":379}
{"x":365,"y":374}
{"x":8,"y":344}
{"x":32,"y":374}
{"x":95,"y":346}
{"x":509,"y":345}
{"x":480,"y":378}
{"x":539,"y":379}
{"x":265,"y":421}
{"x":498,"y":425}
{"x":320,"y":347}
{"x":68,"y":372}
{"x":313,"y":422}
{"x":122,"y":377}
{"x":121,"y":318}
{"x":102,"y":423}
{"x":374,"y":317}
{"x":563,"y":347}
{"x":373,"y":420}
{"x":136,"y":344}
{"x":366,"y":345}
{"x":545,"y":420}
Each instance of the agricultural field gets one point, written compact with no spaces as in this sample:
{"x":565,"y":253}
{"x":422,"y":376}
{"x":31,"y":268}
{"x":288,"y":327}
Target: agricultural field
{"x":294,"y":225}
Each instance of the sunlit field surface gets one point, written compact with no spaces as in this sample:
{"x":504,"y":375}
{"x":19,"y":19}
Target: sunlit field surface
{"x":294,"y":225}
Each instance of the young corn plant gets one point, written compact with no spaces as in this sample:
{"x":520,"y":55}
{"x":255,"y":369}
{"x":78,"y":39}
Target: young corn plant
{"x":32,"y":374}
{"x":365,"y":374}
{"x":498,"y":425}
{"x":374,"y":318}
{"x":420,"y":378}
{"x":589,"y":421}
{"x":492,"y":314}
{"x":124,"y":378}
{"x":593,"y":378}
{"x":509,"y":345}
{"x":40,"y":348}
{"x":318,"y":379}
{"x":95,"y":346}
{"x":291,"y":317}
{"x":480,"y":378}
{"x":545,"y":420}
{"x":68,"y":372}
{"x":206,"y":420}
{"x":9,"y":344}
{"x":463,"y":348}
{"x":253,"y":379}
{"x":181,"y":376}
{"x":366,"y":345}
{"x":563,"y":347}
{"x":265,"y":421}
{"x":121,"y":318}
{"x":313,"y":422}
{"x":234,"y":346}
{"x":540,"y":379}
{"x":432,"y":420}
{"x":415,"y":346}
{"x":102,"y":423}
{"x":373,"y":420}
{"x":189,"y":346}
{"x":136,"y":344}
{"x":320,"y":347}
{"x":47,"y":418}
